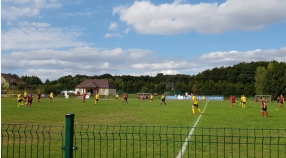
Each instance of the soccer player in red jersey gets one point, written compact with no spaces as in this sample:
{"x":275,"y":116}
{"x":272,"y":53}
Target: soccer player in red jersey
{"x":30,"y":100}
{"x":232,"y":101}
{"x":263,"y":108}
{"x":281,"y":101}
{"x":39,"y":96}
{"x":125,"y":96}
{"x":83,"y":97}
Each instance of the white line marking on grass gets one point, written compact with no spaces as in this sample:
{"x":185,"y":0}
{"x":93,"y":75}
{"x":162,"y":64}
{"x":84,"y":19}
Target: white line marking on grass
{"x":182,"y":151}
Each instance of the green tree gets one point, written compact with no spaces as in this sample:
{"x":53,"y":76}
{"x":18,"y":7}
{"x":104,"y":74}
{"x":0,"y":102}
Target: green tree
{"x":259,"y":77}
{"x":275,"y":82}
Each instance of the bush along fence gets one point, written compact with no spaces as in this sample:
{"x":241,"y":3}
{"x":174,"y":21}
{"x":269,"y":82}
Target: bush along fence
{"x":138,"y":141}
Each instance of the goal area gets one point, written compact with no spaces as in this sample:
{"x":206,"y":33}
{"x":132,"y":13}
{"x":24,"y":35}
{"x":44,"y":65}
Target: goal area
{"x":267,"y":98}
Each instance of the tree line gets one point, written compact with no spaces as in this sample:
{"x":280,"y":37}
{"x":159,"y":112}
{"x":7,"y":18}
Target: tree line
{"x":262,"y":77}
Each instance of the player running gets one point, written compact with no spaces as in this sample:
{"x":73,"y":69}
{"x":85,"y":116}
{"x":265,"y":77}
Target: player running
{"x":151,"y":98}
{"x":30,"y":100}
{"x":20,"y":100}
{"x":96,"y":98}
{"x":204,"y":98}
{"x":51,"y":96}
{"x":116,"y":96}
{"x":195,"y":104}
{"x":25,"y":97}
{"x":39,"y":95}
{"x":163,"y":99}
{"x":125,"y":98}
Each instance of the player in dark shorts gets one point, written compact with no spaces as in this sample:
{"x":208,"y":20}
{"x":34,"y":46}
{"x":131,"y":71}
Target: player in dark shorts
{"x":125,"y":96}
{"x":281,"y":101}
{"x":264,"y":111}
{"x":39,"y":95}
{"x":163,"y":99}
{"x":30,"y":100}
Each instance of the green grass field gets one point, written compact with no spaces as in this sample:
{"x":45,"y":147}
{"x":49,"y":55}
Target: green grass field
{"x":219,"y":126}
{"x":217,"y":114}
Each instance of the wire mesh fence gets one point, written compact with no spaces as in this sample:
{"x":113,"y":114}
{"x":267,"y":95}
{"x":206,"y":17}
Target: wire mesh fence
{"x":19,"y":140}
{"x":141,"y":141}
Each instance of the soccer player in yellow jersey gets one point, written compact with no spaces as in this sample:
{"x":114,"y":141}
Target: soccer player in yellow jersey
{"x":116,"y":96}
{"x":195,"y":104}
{"x":51,"y":96}
{"x":20,"y":100}
{"x":204,"y":99}
{"x":96,"y":98}
{"x":243,"y":101}
{"x":25,"y":97}
{"x":151,"y":98}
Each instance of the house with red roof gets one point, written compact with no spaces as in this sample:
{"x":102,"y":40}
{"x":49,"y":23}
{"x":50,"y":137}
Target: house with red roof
{"x":92,"y":86}
{"x":11,"y":79}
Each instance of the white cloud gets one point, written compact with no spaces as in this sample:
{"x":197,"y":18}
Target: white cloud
{"x":149,"y":18}
{"x":33,"y":24}
{"x":14,"y":9}
{"x":39,"y":36}
{"x":52,"y":64}
{"x":83,"y":14}
{"x":126,"y":31}
{"x":109,"y":35}
{"x":217,"y":59}
{"x":112,"y":26}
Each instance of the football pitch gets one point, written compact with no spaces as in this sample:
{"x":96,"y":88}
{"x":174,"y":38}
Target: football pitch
{"x":237,"y":126}
{"x":217,"y":114}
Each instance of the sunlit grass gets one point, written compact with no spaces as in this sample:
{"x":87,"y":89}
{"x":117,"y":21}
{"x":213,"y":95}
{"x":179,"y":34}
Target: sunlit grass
{"x":219,"y":120}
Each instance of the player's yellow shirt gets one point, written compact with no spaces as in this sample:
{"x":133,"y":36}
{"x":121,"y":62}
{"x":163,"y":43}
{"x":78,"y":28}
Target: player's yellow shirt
{"x":117,"y":96}
{"x":195,"y":100}
{"x":51,"y":95}
{"x":19,"y":96}
{"x":25,"y":94}
{"x":151,"y":96}
{"x":96,"y":96}
{"x":243,"y":99}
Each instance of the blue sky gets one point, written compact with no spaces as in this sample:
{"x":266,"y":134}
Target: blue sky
{"x":55,"y":38}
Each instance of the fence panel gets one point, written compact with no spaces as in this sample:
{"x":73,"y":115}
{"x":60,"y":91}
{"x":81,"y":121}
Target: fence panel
{"x":158,"y":141}
{"x":18,"y":140}
{"x":142,"y":141}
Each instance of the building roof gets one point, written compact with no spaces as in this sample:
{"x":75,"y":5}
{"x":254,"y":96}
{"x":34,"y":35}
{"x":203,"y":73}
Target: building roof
{"x":96,"y":83}
{"x":12,"y":78}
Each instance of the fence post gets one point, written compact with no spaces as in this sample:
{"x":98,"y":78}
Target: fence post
{"x":69,"y":135}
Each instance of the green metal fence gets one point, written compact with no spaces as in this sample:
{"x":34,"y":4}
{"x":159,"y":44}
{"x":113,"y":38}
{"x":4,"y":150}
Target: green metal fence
{"x":139,"y":141}
{"x":18,"y":140}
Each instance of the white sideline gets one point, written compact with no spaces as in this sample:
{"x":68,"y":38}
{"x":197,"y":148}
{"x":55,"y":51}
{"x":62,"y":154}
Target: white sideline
{"x":181,"y":153}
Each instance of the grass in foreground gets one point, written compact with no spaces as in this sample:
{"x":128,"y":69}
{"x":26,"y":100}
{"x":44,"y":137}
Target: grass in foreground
{"x":141,"y":129}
